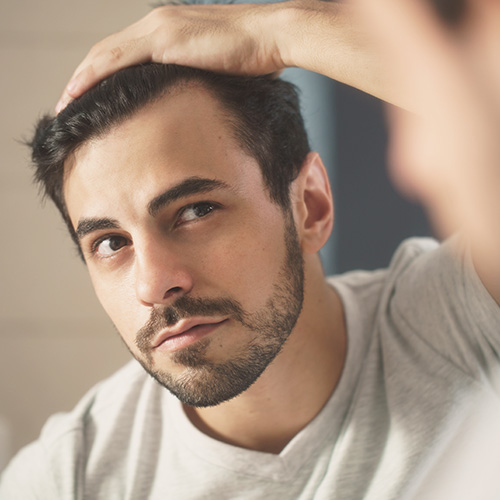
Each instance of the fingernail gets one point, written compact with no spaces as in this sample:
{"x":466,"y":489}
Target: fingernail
{"x":63,"y":102}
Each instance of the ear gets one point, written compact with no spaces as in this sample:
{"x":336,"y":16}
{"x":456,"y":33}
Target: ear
{"x":312,"y":203}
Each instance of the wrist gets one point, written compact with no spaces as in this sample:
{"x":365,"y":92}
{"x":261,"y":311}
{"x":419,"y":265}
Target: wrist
{"x":282,"y":23}
{"x":303,"y":27}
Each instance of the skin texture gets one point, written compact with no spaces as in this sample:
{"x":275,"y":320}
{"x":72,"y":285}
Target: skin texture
{"x":150,"y":260}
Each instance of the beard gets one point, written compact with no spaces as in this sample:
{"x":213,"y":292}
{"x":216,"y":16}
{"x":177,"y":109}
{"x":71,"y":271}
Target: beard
{"x":205,"y":382}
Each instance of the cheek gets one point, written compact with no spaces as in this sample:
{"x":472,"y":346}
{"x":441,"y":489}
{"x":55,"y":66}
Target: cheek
{"x":244,"y":264}
{"x":117,"y":296}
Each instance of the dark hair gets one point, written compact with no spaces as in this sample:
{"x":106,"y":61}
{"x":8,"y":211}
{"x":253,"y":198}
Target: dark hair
{"x":263,"y":113}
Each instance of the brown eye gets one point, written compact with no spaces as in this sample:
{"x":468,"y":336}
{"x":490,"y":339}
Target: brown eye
{"x":197,"y":211}
{"x":109,"y":245}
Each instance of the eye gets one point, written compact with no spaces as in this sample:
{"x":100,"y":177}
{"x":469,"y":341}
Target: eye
{"x":196,"y":211}
{"x":108,"y":246}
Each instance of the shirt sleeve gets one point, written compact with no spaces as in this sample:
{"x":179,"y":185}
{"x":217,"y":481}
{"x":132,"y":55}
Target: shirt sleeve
{"x":28,"y":476}
{"x":437,"y":295}
{"x":52,"y":467}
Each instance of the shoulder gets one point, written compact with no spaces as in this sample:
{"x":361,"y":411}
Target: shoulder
{"x":365,"y":290}
{"x":427,"y":277}
{"x":59,"y":460}
{"x":105,"y":400}
{"x":433,"y":293}
{"x":429,"y":295}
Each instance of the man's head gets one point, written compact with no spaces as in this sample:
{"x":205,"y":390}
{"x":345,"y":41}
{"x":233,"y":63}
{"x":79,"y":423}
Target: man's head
{"x":263,"y":114}
{"x":183,"y":189}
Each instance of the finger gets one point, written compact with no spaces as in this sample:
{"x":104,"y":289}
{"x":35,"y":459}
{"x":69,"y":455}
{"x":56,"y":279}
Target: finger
{"x":109,"y":44}
{"x":99,"y":66}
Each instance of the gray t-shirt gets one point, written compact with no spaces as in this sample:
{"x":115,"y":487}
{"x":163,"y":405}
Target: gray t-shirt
{"x":420,"y":375}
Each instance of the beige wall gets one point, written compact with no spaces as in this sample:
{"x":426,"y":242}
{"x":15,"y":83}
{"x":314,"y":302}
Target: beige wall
{"x":55,"y":341}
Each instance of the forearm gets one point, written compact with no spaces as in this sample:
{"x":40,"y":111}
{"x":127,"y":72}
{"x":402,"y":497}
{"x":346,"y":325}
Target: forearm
{"x":327,"y":38}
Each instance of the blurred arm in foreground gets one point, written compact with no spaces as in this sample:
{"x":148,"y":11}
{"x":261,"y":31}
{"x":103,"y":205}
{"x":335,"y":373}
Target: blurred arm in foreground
{"x":447,"y":154}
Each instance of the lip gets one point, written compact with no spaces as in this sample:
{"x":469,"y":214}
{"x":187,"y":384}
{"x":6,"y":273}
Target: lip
{"x":185,"y":332}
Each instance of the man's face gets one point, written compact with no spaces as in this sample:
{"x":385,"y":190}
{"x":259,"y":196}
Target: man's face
{"x":199,"y":271}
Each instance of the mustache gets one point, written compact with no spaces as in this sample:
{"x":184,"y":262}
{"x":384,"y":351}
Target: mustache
{"x":185,"y":307}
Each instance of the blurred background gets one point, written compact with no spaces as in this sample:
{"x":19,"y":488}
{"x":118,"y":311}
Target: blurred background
{"x":55,"y":341}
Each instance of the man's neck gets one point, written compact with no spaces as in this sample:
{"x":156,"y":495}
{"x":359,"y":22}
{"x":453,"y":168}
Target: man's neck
{"x":294,"y":387}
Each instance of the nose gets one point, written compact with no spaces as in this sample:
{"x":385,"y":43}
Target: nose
{"x":161,"y":276}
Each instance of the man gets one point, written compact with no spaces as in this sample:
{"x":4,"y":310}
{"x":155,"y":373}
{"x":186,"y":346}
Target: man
{"x":183,"y":191}
{"x":199,"y":214}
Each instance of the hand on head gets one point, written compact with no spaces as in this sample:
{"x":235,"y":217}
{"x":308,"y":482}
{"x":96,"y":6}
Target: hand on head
{"x":222,"y":38}
{"x":249,"y":39}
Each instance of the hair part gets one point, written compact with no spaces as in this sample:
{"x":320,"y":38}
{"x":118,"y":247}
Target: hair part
{"x":263,"y":114}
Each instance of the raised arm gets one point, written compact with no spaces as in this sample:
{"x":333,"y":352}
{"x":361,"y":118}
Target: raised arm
{"x":448,"y":154}
{"x":243,"y":38}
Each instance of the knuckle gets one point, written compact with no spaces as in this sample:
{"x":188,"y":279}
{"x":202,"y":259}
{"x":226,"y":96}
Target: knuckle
{"x":116,"y":53}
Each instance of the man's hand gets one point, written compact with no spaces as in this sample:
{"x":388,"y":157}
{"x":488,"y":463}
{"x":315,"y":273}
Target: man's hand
{"x":225,"y":38}
{"x":243,"y":39}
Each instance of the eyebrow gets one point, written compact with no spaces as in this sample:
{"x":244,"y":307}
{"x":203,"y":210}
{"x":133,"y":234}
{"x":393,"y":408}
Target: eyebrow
{"x":189,"y":186}
{"x":91,"y":224}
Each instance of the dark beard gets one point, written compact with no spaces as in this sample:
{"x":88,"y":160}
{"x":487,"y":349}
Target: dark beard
{"x":208,"y":383}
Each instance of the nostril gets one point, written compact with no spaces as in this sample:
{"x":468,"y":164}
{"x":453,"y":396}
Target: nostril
{"x":172,"y":291}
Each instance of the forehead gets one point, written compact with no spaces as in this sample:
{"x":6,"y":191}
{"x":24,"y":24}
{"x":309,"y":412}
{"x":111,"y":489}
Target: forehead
{"x":184,"y":134}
